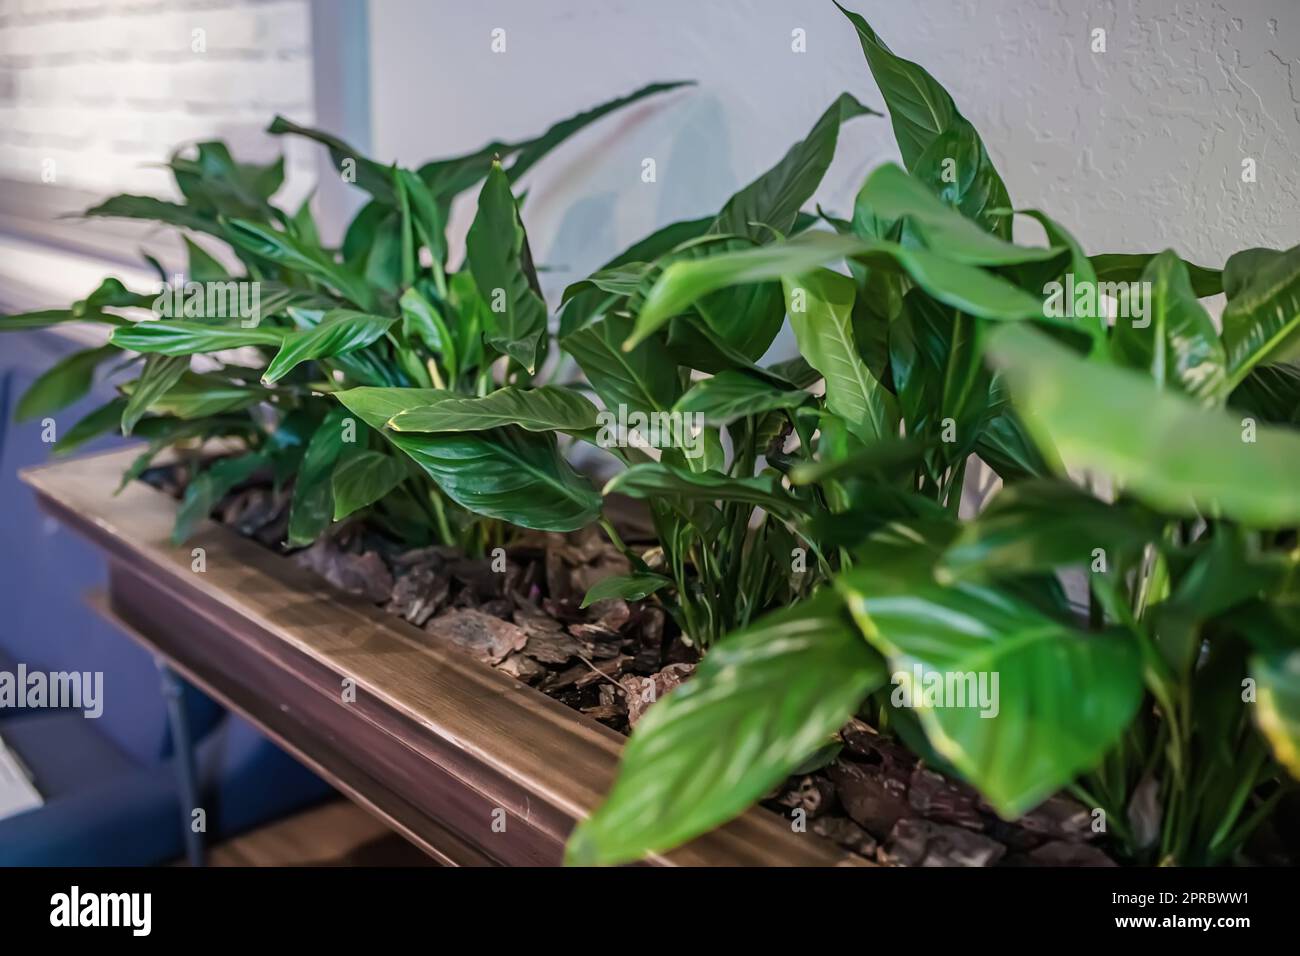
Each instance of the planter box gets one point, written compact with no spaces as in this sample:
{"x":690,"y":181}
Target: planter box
{"x":434,"y":742}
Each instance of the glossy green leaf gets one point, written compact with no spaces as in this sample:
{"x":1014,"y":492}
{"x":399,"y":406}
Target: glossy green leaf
{"x":340,"y":332}
{"x":629,"y":587}
{"x":421,"y":320}
{"x":1129,"y":266}
{"x":203,"y":267}
{"x":45,"y":318}
{"x":312,"y":506}
{"x":894,"y":195}
{"x":643,"y":379}
{"x":371,"y":176}
{"x":942,"y":385}
{"x":956,"y":167}
{"x":1161,"y":447}
{"x":187,"y":395}
{"x":545,"y":409}
{"x":292,"y":253}
{"x":771,"y":203}
{"x":820,"y":306}
{"x":1039,"y":526}
{"x":207,"y":489}
{"x":653,"y":479}
{"x":107,"y":418}
{"x":364,"y":478}
{"x":158,"y":210}
{"x":730,"y":394}
{"x":1261,"y":322}
{"x":505,"y":473}
{"x":497,"y":251}
{"x":160,"y":376}
{"x":1176,"y":341}
{"x":1084,"y":274}
{"x":583,"y":302}
{"x":759,"y":704}
{"x":165,"y":337}
{"x":1277,"y":709}
{"x":1061,"y":699}
{"x":448,"y":177}
{"x":963,"y":287}
{"x":61,"y":384}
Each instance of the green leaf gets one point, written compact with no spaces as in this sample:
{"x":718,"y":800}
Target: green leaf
{"x":1081,"y":267}
{"x":653,"y":479}
{"x":939,"y":376}
{"x":1261,"y":322}
{"x":371,"y":176}
{"x":772,"y":202}
{"x":62,"y":384}
{"x":1161,"y":447}
{"x":643,"y":379}
{"x":147,"y":207}
{"x":582,"y":302}
{"x":202,"y":266}
{"x":629,"y":587}
{"x":208,"y":488}
{"x":1061,"y":699}
{"x":730,"y":394}
{"x":1039,"y":526}
{"x":879,"y":456}
{"x":160,"y":375}
{"x":1270,"y":393}
{"x":112,"y":294}
{"x":1277,"y":707}
{"x":312,"y":506}
{"x":292,"y":253}
{"x":919,"y":108}
{"x":165,"y":337}
{"x":187,"y":395}
{"x":761,"y":702}
{"x":44,"y":319}
{"x":448,"y":177}
{"x":507,"y":473}
{"x":1177,"y":343}
{"x":956,"y":167}
{"x":894,"y":195}
{"x":363,"y":479}
{"x":421,"y":320}
{"x":107,"y":418}
{"x":545,"y":409}
{"x":497,"y":251}
{"x":1129,"y":266}
{"x":340,"y":331}
{"x":820,"y":306}
{"x":964,"y":287}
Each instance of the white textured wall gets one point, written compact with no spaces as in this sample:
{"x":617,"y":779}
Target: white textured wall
{"x":104,"y":88}
{"x":1137,"y":148}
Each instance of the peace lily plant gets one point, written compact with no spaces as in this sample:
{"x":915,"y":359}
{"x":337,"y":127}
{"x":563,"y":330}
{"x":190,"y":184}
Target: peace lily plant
{"x":1131,"y":585}
{"x":1151,"y":458}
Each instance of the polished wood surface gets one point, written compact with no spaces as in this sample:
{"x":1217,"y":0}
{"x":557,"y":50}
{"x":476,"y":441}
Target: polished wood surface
{"x":435,"y":741}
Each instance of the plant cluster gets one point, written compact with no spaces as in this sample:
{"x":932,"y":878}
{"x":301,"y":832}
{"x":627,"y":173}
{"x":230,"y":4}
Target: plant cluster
{"x":1131,"y":585}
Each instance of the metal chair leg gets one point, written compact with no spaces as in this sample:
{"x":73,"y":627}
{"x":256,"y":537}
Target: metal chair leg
{"x":173,"y":689}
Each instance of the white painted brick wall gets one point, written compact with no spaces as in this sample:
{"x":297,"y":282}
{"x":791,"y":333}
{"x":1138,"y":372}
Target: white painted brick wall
{"x":109,"y":88}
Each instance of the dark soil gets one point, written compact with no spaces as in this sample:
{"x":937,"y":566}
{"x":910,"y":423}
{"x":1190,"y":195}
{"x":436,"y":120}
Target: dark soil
{"x":612,"y":660}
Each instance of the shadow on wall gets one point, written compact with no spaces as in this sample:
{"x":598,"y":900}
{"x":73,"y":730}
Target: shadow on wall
{"x":692,"y":126}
